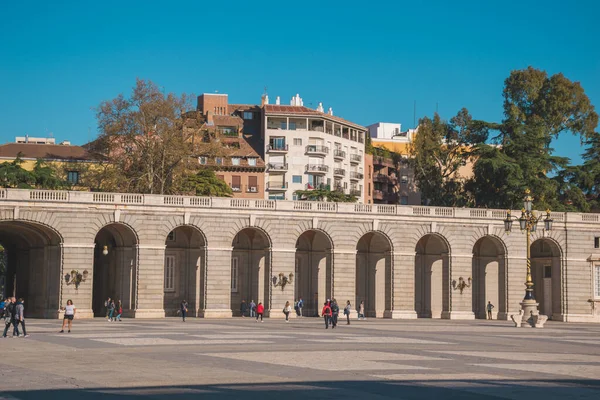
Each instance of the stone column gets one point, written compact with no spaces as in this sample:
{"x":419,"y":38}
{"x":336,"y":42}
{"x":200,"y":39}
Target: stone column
{"x":344,"y":280}
{"x":150,"y":281}
{"x":76,"y":257}
{"x":403,"y":286}
{"x":460,"y":304}
{"x":282,"y":261}
{"x":218,"y":283}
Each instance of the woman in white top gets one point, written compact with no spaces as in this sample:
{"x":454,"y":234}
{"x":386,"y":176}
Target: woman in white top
{"x":69,"y":314}
{"x":287,"y":310}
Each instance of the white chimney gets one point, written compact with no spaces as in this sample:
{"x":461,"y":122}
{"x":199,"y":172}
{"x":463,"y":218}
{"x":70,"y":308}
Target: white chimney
{"x":320,"y":108}
{"x":277,"y":100}
{"x":330,"y":111}
{"x":266,"y":99}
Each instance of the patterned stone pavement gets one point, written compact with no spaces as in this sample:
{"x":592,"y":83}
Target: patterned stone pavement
{"x":240,"y":358}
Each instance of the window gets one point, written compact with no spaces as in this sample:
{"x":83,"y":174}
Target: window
{"x":404,"y":200}
{"x":597,"y":281}
{"x":296,"y":178}
{"x":597,"y":242}
{"x":253,"y":184}
{"x":404,"y":179}
{"x":73,"y":177}
{"x":221,"y":177}
{"x":202,"y":160}
{"x":169,"y":273}
{"x":236,"y":183}
{"x":247,"y":115}
{"x":235,"y":161}
{"x":171,"y":236}
{"x":547,"y":271}
{"x":297,"y":142}
{"x":252,"y":161}
{"x":234,"y":274}
{"x":277,"y":196}
{"x":292,"y":126}
{"x":283,"y":125}
{"x":219,"y":160}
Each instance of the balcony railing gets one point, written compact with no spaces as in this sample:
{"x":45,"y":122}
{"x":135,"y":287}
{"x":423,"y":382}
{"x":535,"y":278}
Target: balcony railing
{"x":354,"y":192}
{"x":339,"y":172}
{"x":277,"y":167}
{"x":276,"y":186}
{"x":318,"y":186}
{"x":355,"y":158}
{"x":236,"y":188}
{"x":314,"y":149}
{"x":317,"y":168}
{"x":252,"y":189}
{"x":277,"y":147}
{"x":339,"y":153}
{"x":391,"y":180}
{"x":356,"y":175}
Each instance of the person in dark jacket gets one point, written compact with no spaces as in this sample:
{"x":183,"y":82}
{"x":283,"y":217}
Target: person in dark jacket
{"x":9,"y":313}
{"x":243,"y":308}
{"x":20,"y":316}
{"x":335,"y":312}
{"x":184,"y":309}
{"x":326,"y":313}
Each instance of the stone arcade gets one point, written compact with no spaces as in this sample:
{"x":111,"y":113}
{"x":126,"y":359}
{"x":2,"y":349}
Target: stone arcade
{"x":152,"y":251}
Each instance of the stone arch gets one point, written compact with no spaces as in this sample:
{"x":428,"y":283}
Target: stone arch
{"x":33,"y":256}
{"x":250,"y":268}
{"x":313,"y":269}
{"x":374,"y":274}
{"x":547,"y":274}
{"x":432,"y":276}
{"x":489,"y":274}
{"x":115,"y":273}
{"x":184,"y":269}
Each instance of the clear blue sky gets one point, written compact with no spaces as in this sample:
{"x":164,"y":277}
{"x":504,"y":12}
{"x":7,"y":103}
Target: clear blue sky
{"x":368,"y":60}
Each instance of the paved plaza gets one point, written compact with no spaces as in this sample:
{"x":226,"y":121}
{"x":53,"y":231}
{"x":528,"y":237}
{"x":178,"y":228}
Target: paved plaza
{"x":240,"y":358}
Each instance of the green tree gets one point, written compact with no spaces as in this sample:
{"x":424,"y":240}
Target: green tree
{"x":326,"y":195}
{"x":46,"y":177}
{"x":13,"y":175}
{"x":204,"y":183}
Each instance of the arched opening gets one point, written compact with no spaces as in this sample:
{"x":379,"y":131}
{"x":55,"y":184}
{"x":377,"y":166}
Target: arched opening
{"x":313,"y":270}
{"x":185,"y":256}
{"x":115,"y":268}
{"x":32,"y":269}
{"x":546,"y":275}
{"x":250,"y":264}
{"x":431,"y":277}
{"x":373,"y":274}
{"x":489,"y":277}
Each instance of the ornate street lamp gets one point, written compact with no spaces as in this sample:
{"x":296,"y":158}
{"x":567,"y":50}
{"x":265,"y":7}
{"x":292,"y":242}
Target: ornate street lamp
{"x":528,"y":223}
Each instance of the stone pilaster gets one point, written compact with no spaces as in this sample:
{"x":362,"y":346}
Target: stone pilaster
{"x":344,"y":279}
{"x":150,"y":282}
{"x":282,"y":261}
{"x":516,"y":268}
{"x":403,"y":286}
{"x":75,"y":257}
{"x":460,"y":303}
{"x":218,"y":283}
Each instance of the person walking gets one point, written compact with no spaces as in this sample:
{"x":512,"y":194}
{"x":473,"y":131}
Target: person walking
{"x":326,"y":313}
{"x":287,"y":310}
{"x":300,"y":305}
{"x":9,"y":315}
{"x":490,"y":307}
{"x":243,"y":308}
{"x":252,"y":307}
{"x":260,"y":309}
{"x":361,"y":310}
{"x":335,"y":312}
{"x":2,"y":304}
{"x":107,"y":305}
{"x":119,"y":311}
{"x":111,"y":311}
{"x":347,"y":312}
{"x":69,"y":315}
{"x":184,"y":309}
{"x":20,"y":316}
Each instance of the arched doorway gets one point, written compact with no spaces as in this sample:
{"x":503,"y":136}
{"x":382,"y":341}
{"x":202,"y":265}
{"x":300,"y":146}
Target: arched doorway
{"x":313,"y":271}
{"x":373,"y":274}
{"x":32,"y":269}
{"x":185,"y":256}
{"x":115,"y":268}
{"x":250,"y":264}
{"x":546,"y":275}
{"x":489,"y":278}
{"x":431,"y":276}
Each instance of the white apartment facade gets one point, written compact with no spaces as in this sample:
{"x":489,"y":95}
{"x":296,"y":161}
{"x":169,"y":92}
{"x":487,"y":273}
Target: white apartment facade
{"x":309,"y":149}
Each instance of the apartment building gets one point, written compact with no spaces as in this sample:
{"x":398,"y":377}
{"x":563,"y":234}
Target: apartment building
{"x":310,"y":149}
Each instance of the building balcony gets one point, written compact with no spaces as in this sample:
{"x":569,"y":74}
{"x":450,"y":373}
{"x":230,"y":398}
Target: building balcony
{"x":355,"y":158}
{"x":387,"y":179}
{"x":314,"y":150}
{"x":277,"y":167}
{"x":318,"y":186}
{"x":385,"y":197}
{"x":236,"y":188}
{"x":317,"y":169}
{"x":276,"y":186}
{"x":339,"y":172}
{"x":277,"y":148}
{"x":356,"y":176}
{"x":355,"y":192}
{"x":339,"y":154}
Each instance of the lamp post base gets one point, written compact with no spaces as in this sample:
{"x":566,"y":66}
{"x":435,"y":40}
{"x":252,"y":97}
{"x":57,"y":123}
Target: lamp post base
{"x":530,"y":310}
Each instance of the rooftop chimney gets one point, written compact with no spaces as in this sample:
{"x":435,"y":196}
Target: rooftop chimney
{"x":330,"y":111}
{"x":296,"y":101}
{"x":320,"y":108}
{"x":264,"y":99}
{"x":277,"y":100}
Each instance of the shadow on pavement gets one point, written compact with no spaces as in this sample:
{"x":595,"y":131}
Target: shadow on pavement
{"x":433,"y":389}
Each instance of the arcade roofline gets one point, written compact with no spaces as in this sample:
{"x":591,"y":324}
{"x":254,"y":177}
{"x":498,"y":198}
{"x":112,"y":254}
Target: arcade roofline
{"x":132,"y":199}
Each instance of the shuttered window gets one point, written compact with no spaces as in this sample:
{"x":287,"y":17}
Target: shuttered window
{"x":169,"y":273}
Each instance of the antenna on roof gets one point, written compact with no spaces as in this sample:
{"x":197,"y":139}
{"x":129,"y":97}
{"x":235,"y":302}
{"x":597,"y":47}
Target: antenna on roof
{"x":265,"y":89}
